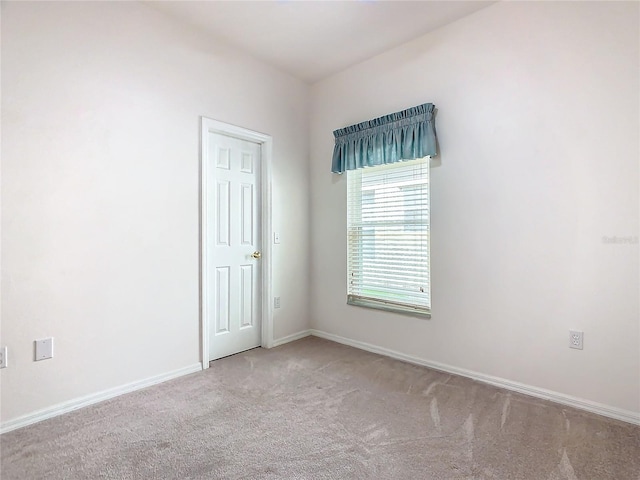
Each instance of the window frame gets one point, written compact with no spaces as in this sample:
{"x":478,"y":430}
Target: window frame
{"x":414,"y":308}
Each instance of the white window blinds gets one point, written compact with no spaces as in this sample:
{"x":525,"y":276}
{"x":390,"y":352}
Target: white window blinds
{"x":388,"y":237}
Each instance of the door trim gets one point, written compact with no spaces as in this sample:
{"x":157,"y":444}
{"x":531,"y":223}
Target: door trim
{"x":265,"y":141}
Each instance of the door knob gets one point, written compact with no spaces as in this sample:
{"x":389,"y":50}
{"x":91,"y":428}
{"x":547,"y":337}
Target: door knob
{"x":256,"y":255}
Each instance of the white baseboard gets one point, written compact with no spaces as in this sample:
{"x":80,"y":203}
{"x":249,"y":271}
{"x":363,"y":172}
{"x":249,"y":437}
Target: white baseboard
{"x":589,"y":406}
{"x":87,"y":400}
{"x":291,"y":338}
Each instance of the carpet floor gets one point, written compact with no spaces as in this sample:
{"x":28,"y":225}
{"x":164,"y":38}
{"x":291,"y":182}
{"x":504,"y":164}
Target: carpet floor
{"x":314,"y":409}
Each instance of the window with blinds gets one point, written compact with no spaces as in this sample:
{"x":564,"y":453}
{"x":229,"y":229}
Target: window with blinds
{"x":388,"y":237}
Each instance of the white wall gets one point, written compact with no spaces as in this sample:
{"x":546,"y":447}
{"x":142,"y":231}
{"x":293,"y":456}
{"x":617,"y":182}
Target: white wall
{"x":100,"y":143}
{"x":538,"y":126}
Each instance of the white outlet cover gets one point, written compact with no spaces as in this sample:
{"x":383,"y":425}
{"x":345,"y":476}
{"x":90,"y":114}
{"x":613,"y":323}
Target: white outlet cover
{"x":44,"y":349}
{"x":576,"y":339}
{"x":4,"y":360}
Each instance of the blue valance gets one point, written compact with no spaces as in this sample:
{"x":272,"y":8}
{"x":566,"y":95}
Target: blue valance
{"x":395,"y":137}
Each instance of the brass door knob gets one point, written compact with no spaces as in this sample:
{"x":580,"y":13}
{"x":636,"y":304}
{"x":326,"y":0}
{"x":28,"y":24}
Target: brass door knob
{"x":256,"y":255}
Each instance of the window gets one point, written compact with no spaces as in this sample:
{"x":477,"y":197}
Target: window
{"x":388,"y":237}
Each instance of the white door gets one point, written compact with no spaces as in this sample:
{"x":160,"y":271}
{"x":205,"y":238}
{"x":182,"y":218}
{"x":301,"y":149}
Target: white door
{"x":233,"y":250}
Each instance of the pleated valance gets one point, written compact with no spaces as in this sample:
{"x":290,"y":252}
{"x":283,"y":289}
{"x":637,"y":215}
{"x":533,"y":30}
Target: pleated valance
{"x":399,"y":136}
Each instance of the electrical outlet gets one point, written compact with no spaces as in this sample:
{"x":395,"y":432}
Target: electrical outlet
{"x":3,"y":357}
{"x":575,"y":339}
{"x":276,"y":302}
{"x":44,"y":348}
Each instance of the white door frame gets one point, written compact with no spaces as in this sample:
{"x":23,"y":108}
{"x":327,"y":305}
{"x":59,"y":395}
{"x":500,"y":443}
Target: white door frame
{"x":214,"y":126}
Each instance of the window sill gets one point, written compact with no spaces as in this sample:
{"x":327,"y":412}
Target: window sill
{"x":388,"y":306}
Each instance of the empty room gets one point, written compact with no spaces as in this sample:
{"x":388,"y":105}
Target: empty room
{"x":432,"y":270}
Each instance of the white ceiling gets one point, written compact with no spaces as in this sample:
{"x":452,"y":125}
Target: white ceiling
{"x":315,"y":39}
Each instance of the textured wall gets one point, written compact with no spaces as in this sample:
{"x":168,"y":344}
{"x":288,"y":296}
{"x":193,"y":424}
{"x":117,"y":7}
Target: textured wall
{"x":101,"y":106}
{"x":538,"y":127}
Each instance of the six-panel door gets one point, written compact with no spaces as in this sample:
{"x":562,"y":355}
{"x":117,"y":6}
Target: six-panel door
{"x":233,"y":242}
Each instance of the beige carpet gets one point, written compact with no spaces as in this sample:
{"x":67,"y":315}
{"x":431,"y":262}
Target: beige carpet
{"x":314,"y":409}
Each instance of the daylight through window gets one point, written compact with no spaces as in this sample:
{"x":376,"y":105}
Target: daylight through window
{"x":388,"y":237}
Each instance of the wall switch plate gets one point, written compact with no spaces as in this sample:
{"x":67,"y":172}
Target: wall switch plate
{"x":276,"y":302}
{"x":3,"y":357}
{"x":276,"y":237}
{"x":575,"y":339}
{"x":44,"y":348}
